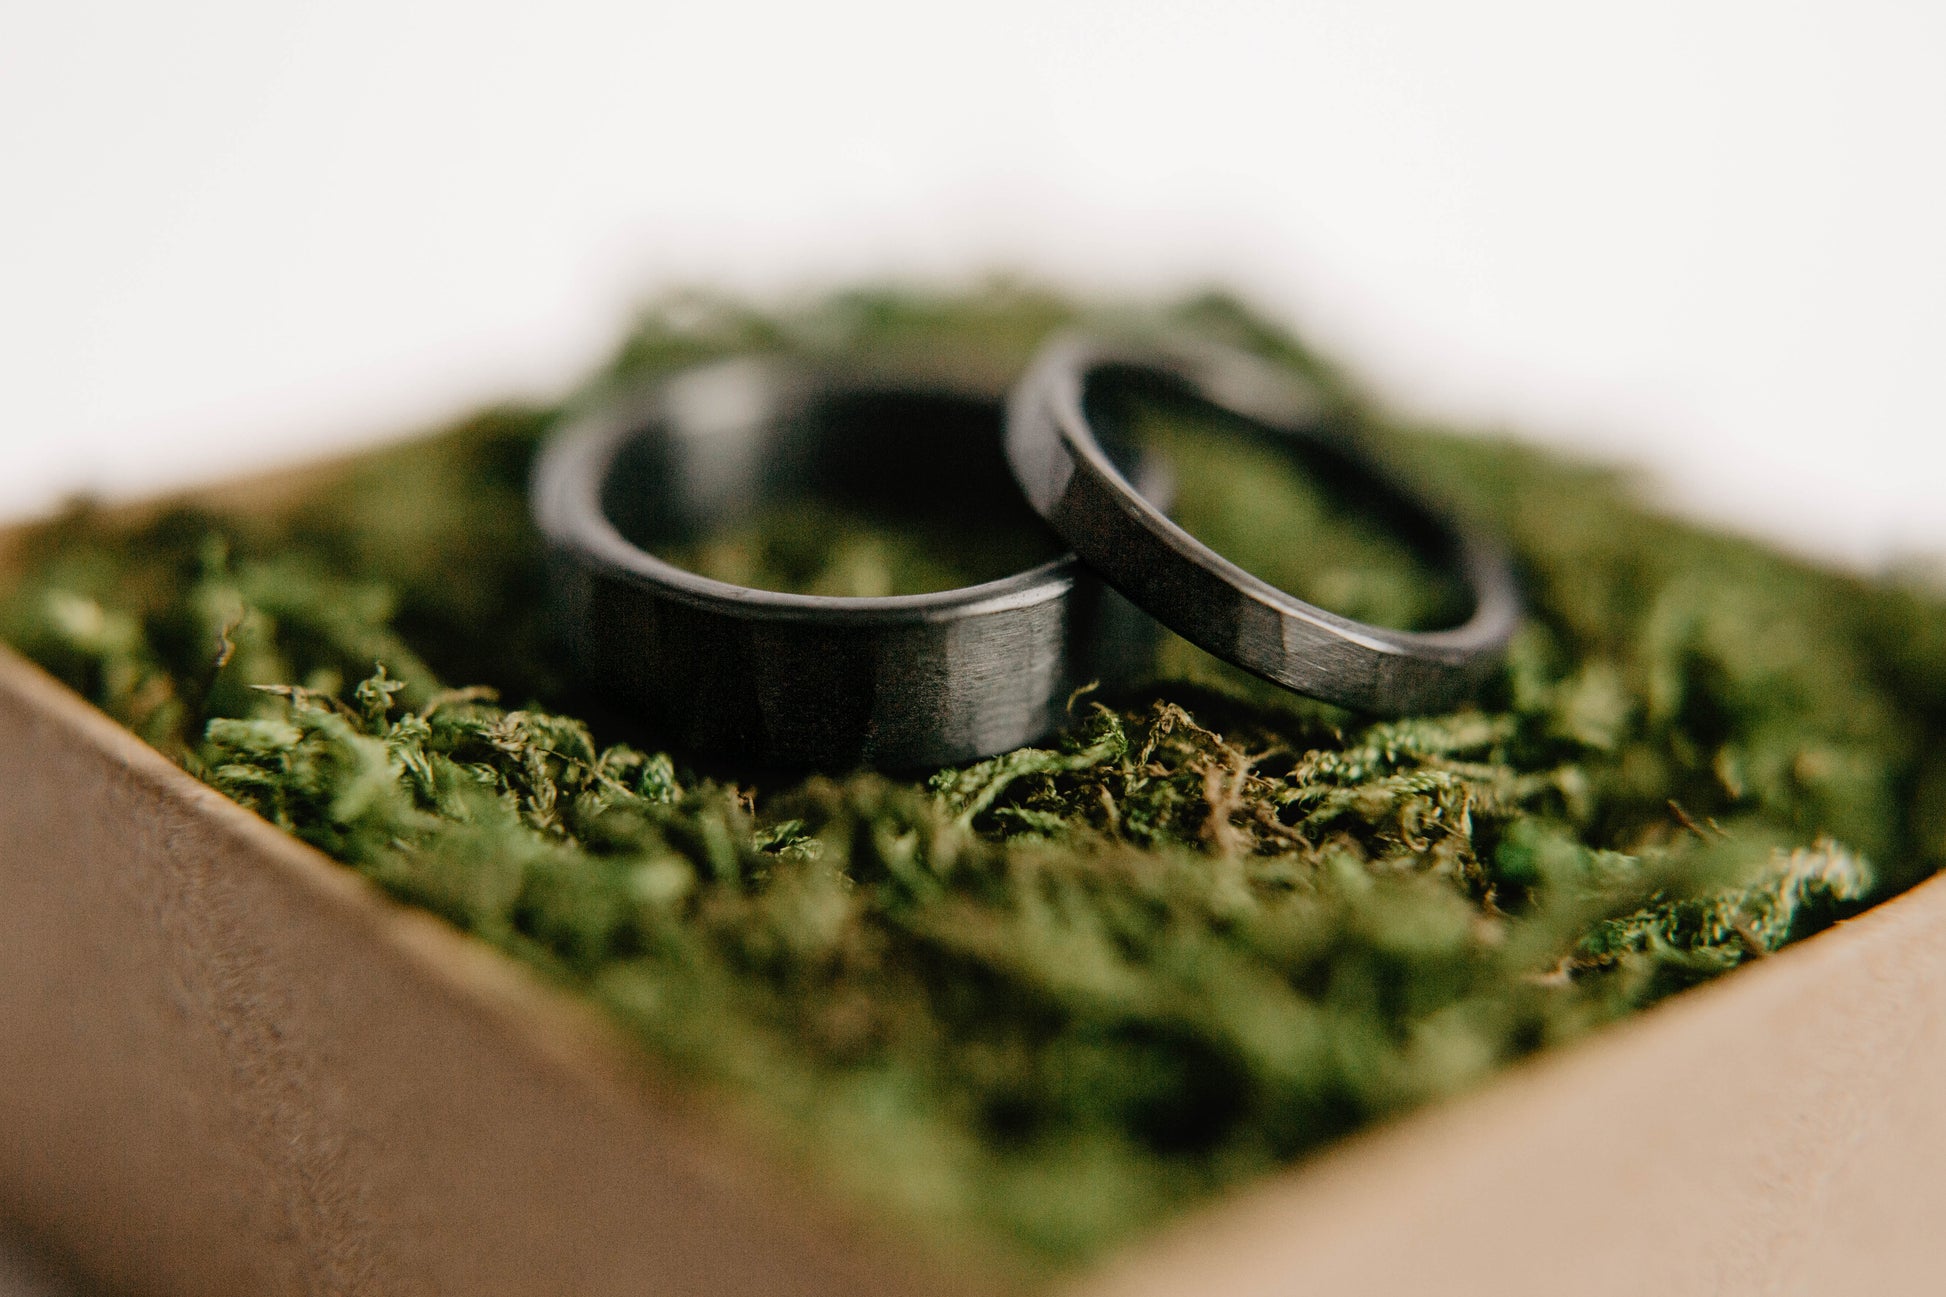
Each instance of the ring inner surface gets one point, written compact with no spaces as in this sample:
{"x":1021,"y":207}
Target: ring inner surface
{"x":848,"y":493}
{"x":1288,"y":506}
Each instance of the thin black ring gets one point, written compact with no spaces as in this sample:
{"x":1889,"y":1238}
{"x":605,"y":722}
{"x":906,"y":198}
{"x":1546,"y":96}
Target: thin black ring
{"x":1072,"y":483}
{"x":902,"y":681}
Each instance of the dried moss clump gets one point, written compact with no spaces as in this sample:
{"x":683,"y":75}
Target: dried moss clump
{"x":1050,"y":998}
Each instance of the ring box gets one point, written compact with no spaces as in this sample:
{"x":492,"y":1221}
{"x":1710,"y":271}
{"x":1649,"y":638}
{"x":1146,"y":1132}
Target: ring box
{"x":231,"y":1065}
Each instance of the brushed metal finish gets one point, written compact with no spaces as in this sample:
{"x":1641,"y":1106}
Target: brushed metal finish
{"x":1066,"y":461}
{"x":902,"y":681}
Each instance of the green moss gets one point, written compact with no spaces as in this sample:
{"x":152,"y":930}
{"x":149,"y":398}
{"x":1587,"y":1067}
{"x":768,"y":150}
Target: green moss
{"x":1051,"y":998}
{"x":812,"y":547}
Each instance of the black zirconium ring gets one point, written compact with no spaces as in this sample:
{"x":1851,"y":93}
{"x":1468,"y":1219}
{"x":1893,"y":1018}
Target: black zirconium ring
{"x":898,"y":682}
{"x":1064,"y":453}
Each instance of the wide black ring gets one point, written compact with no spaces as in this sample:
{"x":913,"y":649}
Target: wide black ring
{"x":1065,"y":459}
{"x":899,"y":681}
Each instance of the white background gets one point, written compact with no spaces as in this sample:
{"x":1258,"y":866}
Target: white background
{"x":1706,"y":236}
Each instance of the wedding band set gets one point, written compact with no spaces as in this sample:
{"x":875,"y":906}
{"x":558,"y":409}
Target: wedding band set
{"x":905,"y":681}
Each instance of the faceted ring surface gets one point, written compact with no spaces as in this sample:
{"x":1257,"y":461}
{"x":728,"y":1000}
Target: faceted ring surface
{"x":899,"y":681}
{"x":1065,"y":456}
